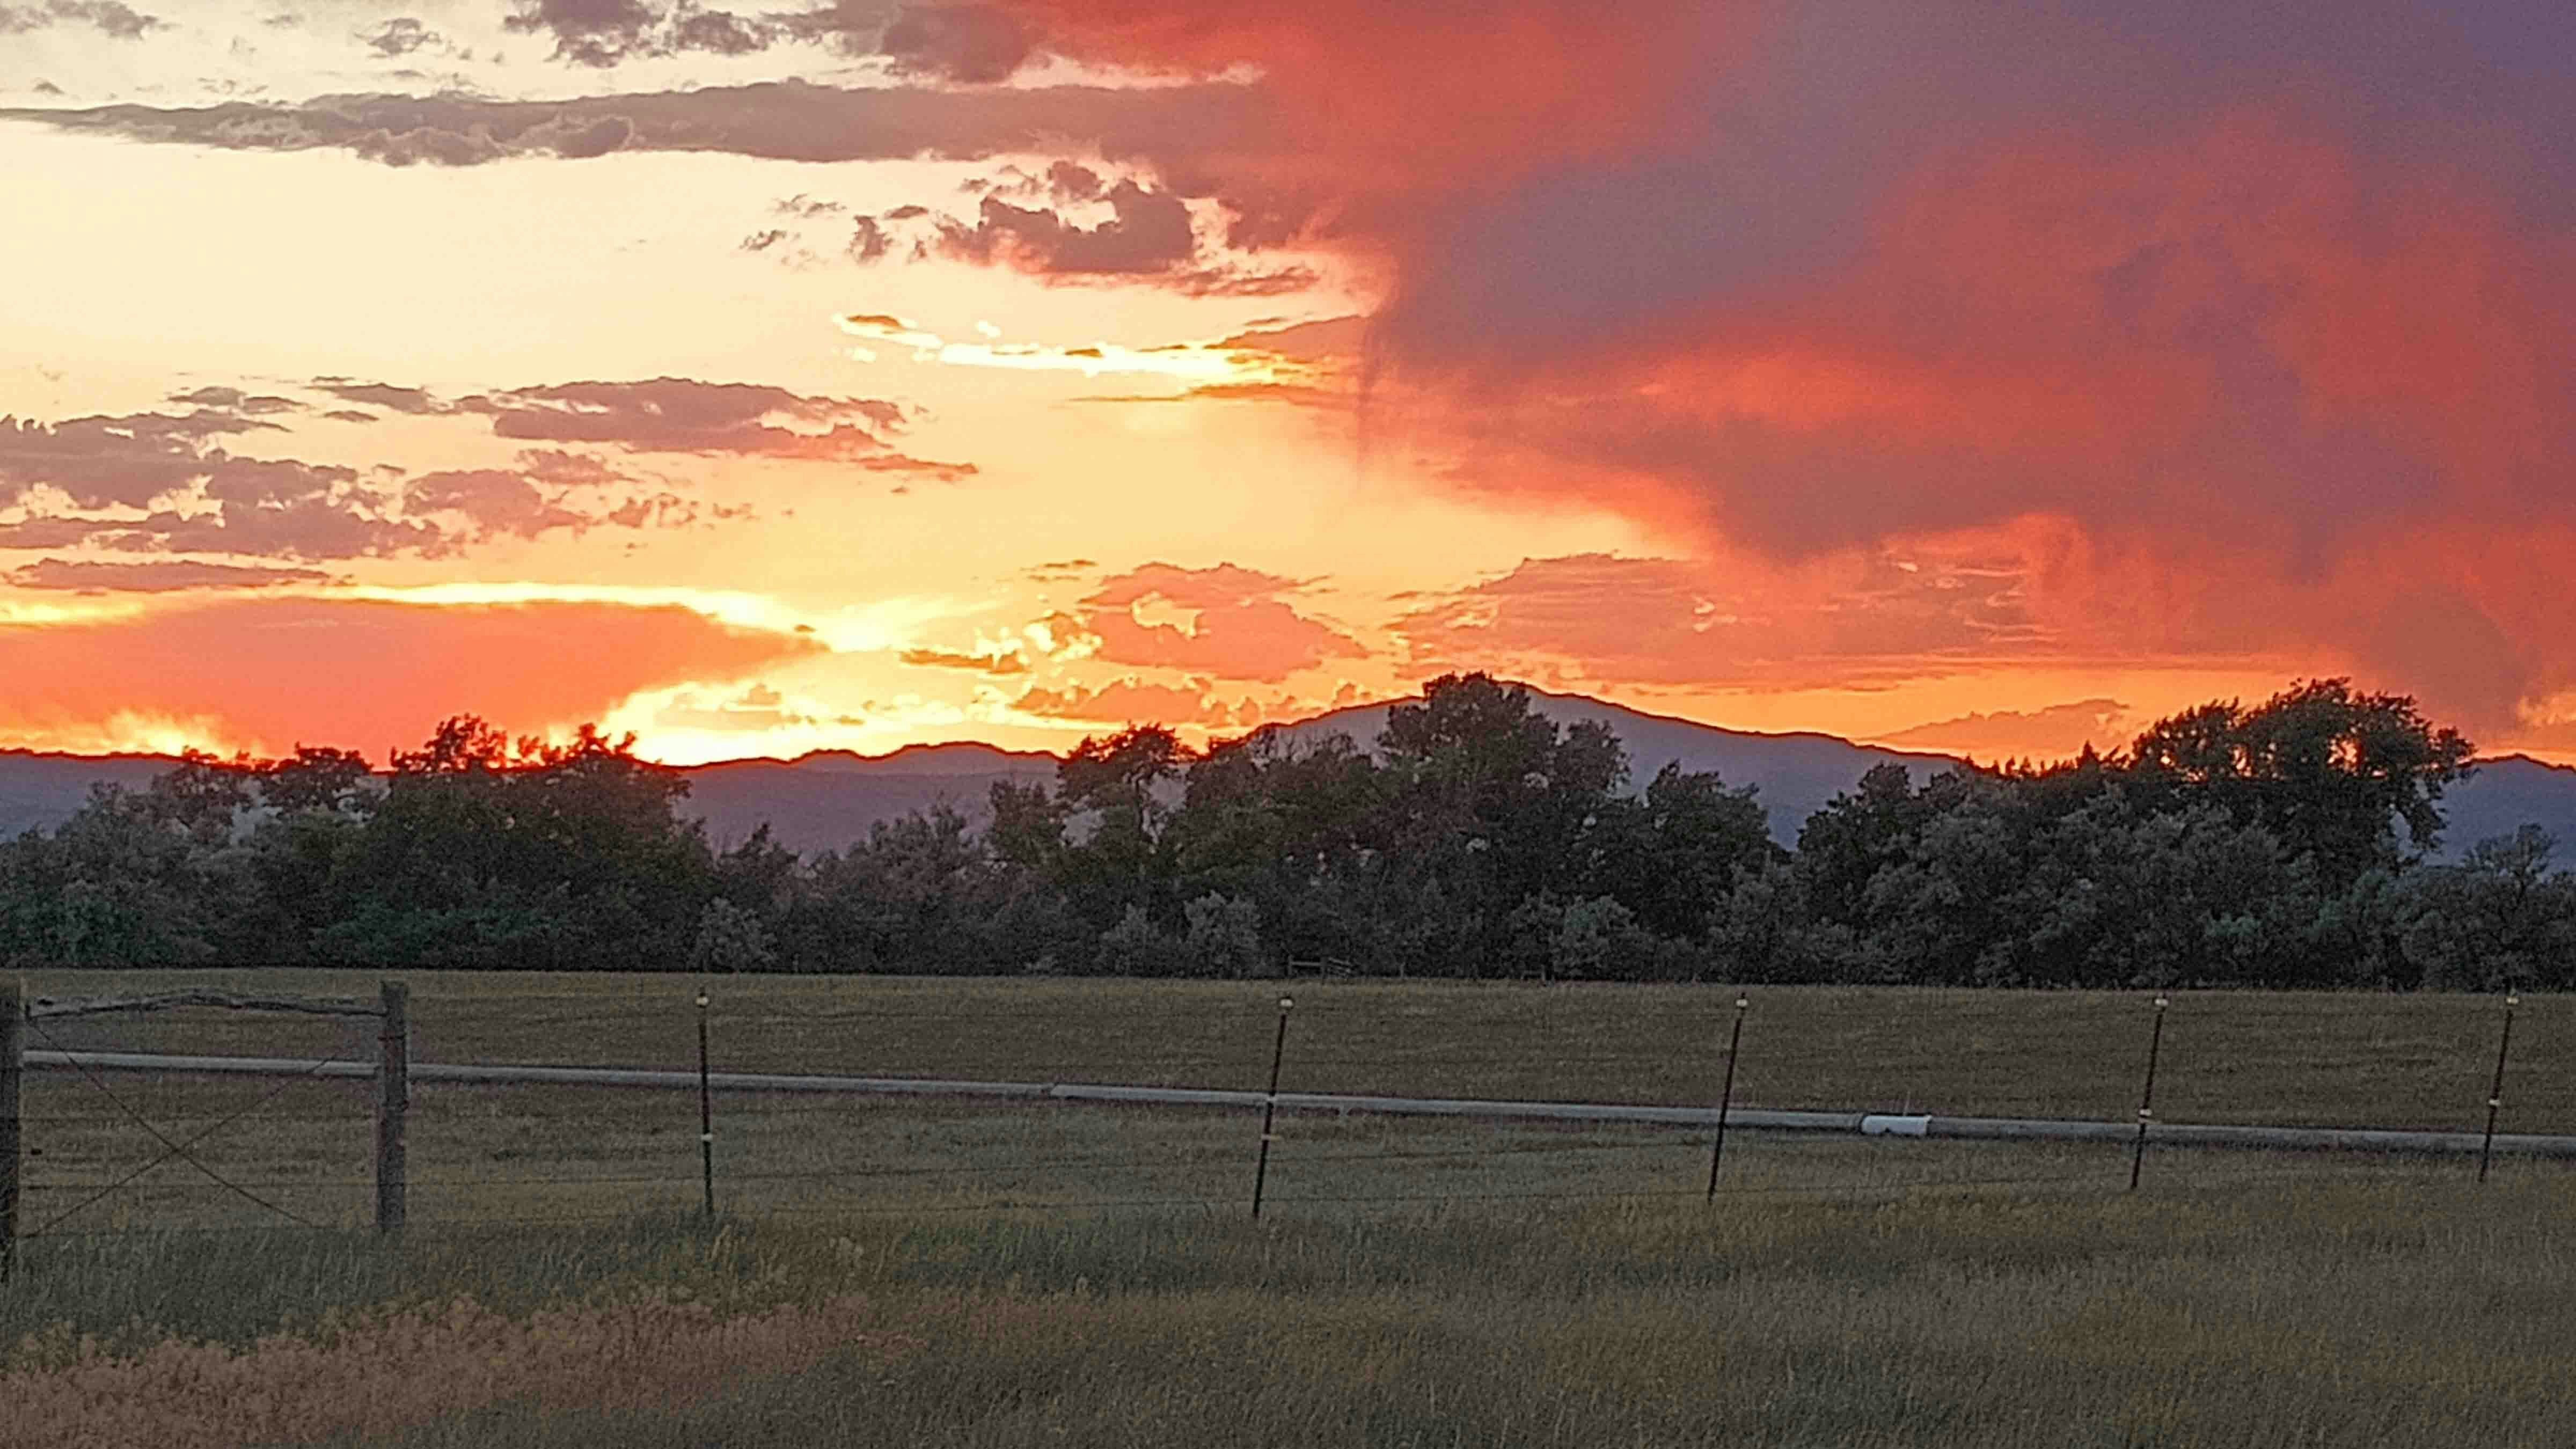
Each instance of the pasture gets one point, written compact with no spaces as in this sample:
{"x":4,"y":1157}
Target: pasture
{"x":943,"y":1272}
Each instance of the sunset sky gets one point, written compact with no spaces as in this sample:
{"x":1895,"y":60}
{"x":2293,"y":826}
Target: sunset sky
{"x":1981,"y":376}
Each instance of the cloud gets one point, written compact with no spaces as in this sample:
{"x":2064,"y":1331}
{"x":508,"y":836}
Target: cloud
{"x":1664,"y":621}
{"x":680,"y":415}
{"x":270,"y":673}
{"x":495,"y":501}
{"x":192,"y":496}
{"x":677,"y":415}
{"x":90,"y":576}
{"x":1147,"y":236}
{"x":110,"y":17}
{"x":412,"y":400}
{"x":783,"y":120}
{"x":2057,"y":732}
{"x":105,"y":460}
{"x":756,"y":708}
{"x":401,"y":36}
{"x":1128,"y":701}
{"x":973,"y":44}
{"x":1002,"y":662}
{"x":2195,"y":303}
{"x":155,"y":483}
{"x":602,"y":33}
{"x":1227,"y":622}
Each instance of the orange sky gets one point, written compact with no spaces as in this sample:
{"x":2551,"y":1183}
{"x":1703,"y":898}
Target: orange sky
{"x":1980,"y":377}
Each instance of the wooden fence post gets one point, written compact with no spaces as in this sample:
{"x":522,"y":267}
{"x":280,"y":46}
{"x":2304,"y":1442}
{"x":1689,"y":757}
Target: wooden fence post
{"x":13,"y":1047}
{"x":393,"y":1101}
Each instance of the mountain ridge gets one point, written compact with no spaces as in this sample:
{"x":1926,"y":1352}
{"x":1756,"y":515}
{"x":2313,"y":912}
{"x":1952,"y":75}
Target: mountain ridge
{"x":825,"y":799}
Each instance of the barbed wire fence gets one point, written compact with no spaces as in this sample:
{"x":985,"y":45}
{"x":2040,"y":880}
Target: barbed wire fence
{"x":588,"y":1154}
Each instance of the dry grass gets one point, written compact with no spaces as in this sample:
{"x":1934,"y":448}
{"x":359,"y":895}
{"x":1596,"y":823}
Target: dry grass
{"x":2412,"y":1312}
{"x":937,"y":1273}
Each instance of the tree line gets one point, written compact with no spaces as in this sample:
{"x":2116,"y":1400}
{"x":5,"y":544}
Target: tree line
{"x":2282,"y":844}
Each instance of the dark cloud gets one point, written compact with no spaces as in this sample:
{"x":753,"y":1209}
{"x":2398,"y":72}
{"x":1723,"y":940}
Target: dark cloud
{"x":110,"y":17}
{"x":1148,"y":236}
{"x":401,"y":36}
{"x":311,"y":528}
{"x":413,"y":400}
{"x":971,"y":44}
{"x":123,"y":460}
{"x":495,"y":501}
{"x":785,"y":120}
{"x":603,"y":33}
{"x":681,"y":415}
{"x":589,"y":32}
{"x":171,"y":576}
{"x":233,"y":399}
{"x":1147,"y":231}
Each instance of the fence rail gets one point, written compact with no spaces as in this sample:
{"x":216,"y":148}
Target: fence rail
{"x":2168,"y":1134}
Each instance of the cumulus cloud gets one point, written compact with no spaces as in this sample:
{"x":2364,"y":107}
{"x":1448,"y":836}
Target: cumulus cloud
{"x":1227,"y":622}
{"x":266,"y":673}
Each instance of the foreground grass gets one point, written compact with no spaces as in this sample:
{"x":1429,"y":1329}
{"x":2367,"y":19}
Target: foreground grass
{"x":2355,"y":1059}
{"x":2398,"y":1313}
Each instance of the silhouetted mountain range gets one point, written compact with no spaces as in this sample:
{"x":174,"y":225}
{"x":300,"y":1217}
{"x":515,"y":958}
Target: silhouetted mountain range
{"x":827,"y":799}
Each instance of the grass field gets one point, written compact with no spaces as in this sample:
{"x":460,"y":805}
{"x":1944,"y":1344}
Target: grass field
{"x":932,"y":1272}
{"x":2414,"y":1311}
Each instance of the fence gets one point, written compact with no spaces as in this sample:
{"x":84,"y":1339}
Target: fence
{"x":552,"y":1143}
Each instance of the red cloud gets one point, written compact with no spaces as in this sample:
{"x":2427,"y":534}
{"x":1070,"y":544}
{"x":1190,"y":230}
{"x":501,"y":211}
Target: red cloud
{"x":267,"y":674}
{"x":1243,"y":630}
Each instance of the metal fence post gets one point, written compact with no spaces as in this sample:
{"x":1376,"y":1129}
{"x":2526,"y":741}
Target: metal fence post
{"x":2495,"y":1094}
{"x":1726,"y":1095}
{"x":2147,"y":1096}
{"x":706,"y":1112}
{"x":393,"y":1104}
{"x":13,"y":1046}
{"x":1270,"y":1106}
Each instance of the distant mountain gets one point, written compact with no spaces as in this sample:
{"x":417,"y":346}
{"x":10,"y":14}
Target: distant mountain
{"x":2506,"y":793}
{"x":828,"y":799}
{"x":1797,"y":773}
{"x":825,"y":800}
{"x":40,"y":791}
